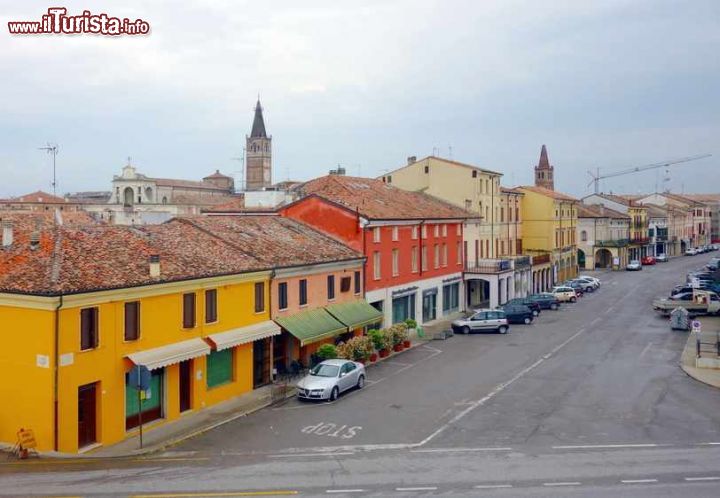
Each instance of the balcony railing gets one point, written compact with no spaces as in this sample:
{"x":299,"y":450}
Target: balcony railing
{"x":522,"y":262}
{"x":612,"y":243}
{"x":489,"y":266}
{"x":541,"y":259}
{"x":640,"y":240}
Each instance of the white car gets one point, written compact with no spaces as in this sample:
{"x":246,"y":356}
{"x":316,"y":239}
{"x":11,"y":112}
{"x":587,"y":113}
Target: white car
{"x":564,"y":294}
{"x":691,"y":252}
{"x":328,"y":379}
{"x":634,"y":265}
{"x":594,"y":279}
{"x":594,"y":282}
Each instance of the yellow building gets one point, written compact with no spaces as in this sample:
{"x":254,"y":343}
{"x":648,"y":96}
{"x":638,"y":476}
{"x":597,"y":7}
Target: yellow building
{"x":82,"y":307}
{"x":549,"y":225}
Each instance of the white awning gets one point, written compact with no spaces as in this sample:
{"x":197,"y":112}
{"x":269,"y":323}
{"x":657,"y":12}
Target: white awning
{"x":243,"y":335}
{"x":170,"y":354}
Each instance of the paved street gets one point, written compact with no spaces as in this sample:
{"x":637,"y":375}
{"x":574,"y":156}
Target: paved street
{"x":589,"y":400}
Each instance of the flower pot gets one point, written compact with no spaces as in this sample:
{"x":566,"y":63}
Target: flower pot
{"x":406,"y":344}
{"x":397,"y":348}
{"x":373,"y":357}
{"x":384,"y":353}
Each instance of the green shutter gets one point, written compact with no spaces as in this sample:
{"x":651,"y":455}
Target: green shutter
{"x":219,"y":367}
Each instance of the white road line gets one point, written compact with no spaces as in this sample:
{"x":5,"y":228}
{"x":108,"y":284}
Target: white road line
{"x":492,"y":486}
{"x":639,"y":481}
{"x":423,"y":488}
{"x":605,"y":446}
{"x":574,"y":483}
{"x":710,"y":444}
{"x":291,"y":455}
{"x":595,"y":321}
{"x":702,"y":479}
{"x":498,"y":389}
{"x":458,"y":450}
{"x":646,"y":349}
{"x":344,"y":491}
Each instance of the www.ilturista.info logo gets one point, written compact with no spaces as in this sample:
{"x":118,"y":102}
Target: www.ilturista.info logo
{"x":56,"y":21}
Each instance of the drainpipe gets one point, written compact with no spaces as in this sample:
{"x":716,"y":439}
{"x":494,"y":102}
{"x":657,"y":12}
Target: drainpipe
{"x":492,"y":217}
{"x":56,"y":375}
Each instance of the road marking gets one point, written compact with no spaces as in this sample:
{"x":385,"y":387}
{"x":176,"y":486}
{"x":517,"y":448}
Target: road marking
{"x":457,"y":450}
{"x":344,"y":490}
{"x":332,"y":430}
{"x":422,"y":488}
{"x":595,"y":321}
{"x":575,"y":483}
{"x":498,"y":389}
{"x":492,"y":486}
{"x":290,"y":455}
{"x":605,"y":446}
{"x":280,"y":492}
{"x":710,"y":444}
{"x":189,"y":459}
{"x":639,"y":481}
{"x":702,"y":479}
{"x":646,"y":349}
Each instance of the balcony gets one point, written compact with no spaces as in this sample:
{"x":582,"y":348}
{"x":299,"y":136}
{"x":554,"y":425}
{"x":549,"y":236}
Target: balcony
{"x":541,"y":259}
{"x":640,"y":241}
{"x":612,"y":243}
{"x":489,"y":266}
{"x":522,"y":262}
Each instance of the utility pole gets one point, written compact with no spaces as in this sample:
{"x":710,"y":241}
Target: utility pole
{"x":52,"y":149}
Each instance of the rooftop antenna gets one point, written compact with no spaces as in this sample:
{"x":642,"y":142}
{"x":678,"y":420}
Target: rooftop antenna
{"x":52,"y":149}
{"x":241,"y":160}
{"x":450,"y":150}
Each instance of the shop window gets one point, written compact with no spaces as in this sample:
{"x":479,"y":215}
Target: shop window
{"x":219,"y":367}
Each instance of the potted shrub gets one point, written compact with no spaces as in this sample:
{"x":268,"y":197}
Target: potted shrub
{"x":411,"y":329}
{"x":373,"y":357}
{"x":359,"y":348}
{"x":399,"y":334}
{"x":327,"y":352}
{"x":380,"y":341}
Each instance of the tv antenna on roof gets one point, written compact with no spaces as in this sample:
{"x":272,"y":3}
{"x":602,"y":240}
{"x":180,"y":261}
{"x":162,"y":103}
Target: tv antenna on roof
{"x":52,"y":149}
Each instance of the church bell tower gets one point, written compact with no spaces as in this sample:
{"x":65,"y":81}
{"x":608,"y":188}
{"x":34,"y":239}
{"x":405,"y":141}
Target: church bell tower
{"x":258,"y":154}
{"x":544,"y":171}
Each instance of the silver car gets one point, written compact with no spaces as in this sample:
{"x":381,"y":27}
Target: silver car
{"x":329,"y":378}
{"x":481,"y":321}
{"x":634,"y":265}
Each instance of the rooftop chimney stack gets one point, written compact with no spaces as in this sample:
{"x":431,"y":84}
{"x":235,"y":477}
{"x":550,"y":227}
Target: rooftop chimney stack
{"x":154,"y":266}
{"x":411,"y":159}
{"x":7,"y":234}
{"x":34,"y":240}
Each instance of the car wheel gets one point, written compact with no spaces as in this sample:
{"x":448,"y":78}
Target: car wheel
{"x":535,"y":313}
{"x":361,"y":382}
{"x":573,"y":299}
{"x":503,"y":329}
{"x":589,"y":289}
{"x":527,"y":320}
{"x":334,"y":394}
{"x":553,"y":306}
{"x":466,"y":330}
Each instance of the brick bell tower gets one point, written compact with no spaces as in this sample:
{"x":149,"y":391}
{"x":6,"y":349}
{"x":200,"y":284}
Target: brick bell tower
{"x":544,"y":172}
{"x":258,"y":154}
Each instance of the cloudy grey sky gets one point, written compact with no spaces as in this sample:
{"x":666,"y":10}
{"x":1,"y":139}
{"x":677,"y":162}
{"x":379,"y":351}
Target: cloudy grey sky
{"x":364,"y":84}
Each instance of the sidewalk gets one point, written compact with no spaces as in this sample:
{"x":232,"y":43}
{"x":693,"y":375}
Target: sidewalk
{"x":709,"y":376}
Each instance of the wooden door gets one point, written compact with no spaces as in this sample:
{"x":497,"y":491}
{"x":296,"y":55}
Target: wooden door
{"x":185,"y":385}
{"x":87,"y":415}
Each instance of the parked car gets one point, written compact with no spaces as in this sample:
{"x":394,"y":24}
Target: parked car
{"x":579,"y":288}
{"x":328,"y":379}
{"x":518,"y":313}
{"x":662,"y":258}
{"x":648,"y":260}
{"x":545,"y":301}
{"x":691,"y":251}
{"x":564,"y":294}
{"x":482,"y":321}
{"x":585,"y":285}
{"x":592,"y":280}
{"x":634,"y":265}
{"x":713,"y":264}
{"x":595,"y":279}
{"x":682,"y":296}
{"x":534,"y":307}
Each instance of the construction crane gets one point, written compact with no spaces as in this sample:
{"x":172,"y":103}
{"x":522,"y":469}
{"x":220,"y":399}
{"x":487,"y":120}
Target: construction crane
{"x":596,"y":177}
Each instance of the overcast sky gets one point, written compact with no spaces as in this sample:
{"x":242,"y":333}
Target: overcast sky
{"x":364,"y":84}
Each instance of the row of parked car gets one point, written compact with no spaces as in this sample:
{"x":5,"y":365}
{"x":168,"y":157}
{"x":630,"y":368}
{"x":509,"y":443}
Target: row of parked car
{"x":524,"y":310}
{"x":693,"y":251}
{"x":698,"y":295}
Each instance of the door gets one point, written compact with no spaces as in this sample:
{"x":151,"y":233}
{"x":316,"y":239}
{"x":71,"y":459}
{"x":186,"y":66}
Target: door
{"x":261,"y":363}
{"x":185,"y":394}
{"x":477,"y":322}
{"x":346,"y":376}
{"x":87,"y":415}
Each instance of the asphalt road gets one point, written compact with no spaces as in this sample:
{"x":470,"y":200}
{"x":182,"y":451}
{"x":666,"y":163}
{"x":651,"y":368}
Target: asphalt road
{"x":587,"y":401}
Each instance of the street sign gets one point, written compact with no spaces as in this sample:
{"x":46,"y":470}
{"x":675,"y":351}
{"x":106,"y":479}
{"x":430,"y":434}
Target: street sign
{"x":696,"y":325}
{"x":139,"y":378}
{"x":26,"y":438}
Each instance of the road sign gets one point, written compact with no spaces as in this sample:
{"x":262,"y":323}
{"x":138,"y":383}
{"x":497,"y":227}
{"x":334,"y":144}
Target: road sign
{"x":696,"y":325}
{"x":139,"y":378}
{"x":26,"y":438}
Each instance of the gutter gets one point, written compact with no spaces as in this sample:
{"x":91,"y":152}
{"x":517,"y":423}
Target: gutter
{"x":56,"y":375}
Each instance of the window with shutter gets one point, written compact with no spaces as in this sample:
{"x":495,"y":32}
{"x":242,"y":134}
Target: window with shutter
{"x":211,"y":306}
{"x":189,"y":310}
{"x":345,"y":283}
{"x":259,"y":297}
{"x":132,"y":321}
{"x":88,"y":328}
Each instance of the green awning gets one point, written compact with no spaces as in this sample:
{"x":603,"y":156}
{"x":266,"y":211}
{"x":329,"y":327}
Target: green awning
{"x":355,"y":314}
{"x":311,"y":325}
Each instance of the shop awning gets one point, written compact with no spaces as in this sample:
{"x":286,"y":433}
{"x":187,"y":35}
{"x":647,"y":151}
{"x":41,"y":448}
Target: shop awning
{"x":170,"y":354}
{"x":243,"y":335}
{"x":355,"y":314}
{"x":311,"y":325}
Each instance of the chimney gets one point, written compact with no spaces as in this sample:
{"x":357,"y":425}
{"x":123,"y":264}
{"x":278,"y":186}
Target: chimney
{"x":154,"y":266}
{"x":412,"y":159}
{"x":7,"y":233}
{"x":34,"y":240}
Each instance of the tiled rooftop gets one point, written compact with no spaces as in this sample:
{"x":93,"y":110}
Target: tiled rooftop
{"x":553,"y":194}
{"x":377,"y":200}
{"x":599,"y":211}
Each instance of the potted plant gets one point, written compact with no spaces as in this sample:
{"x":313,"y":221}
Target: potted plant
{"x":327,"y":352}
{"x":411,"y":331}
{"x":373,"y":357}
{"x":399,"y":334}
{"x":359,"y":348}
{"x":380,"y":341}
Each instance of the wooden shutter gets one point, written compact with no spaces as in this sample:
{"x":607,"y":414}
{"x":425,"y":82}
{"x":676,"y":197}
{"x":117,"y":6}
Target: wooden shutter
{"x":259,"y":297}
{"x":132,"y":321}
{"x":189,"y":310}
{"x":88,"y":328}
{"x":219,"y":367}
{"x":211,"y":306}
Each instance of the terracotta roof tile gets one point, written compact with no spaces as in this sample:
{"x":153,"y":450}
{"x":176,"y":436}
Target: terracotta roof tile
{"x":547,"y":192}
{"x":599,"y":211}
{"x":377,"y":200}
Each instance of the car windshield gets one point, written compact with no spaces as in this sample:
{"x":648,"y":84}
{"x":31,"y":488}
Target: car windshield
{"x":324,"y":370}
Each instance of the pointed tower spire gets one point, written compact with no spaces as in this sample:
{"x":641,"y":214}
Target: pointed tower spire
{"x":544,"y":171}
{"x":258,"y":127}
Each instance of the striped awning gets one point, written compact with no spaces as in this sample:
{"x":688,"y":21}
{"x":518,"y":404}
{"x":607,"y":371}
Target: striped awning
{"x":243,"y":335}
{"x":169,"y":355}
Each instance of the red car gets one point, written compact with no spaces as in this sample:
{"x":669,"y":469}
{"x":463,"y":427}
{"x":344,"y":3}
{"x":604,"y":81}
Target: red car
{"x":648,"y":260}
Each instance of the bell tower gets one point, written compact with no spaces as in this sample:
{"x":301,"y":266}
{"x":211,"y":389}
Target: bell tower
{"x":544,"y":171}
{"x":258,"y":154}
